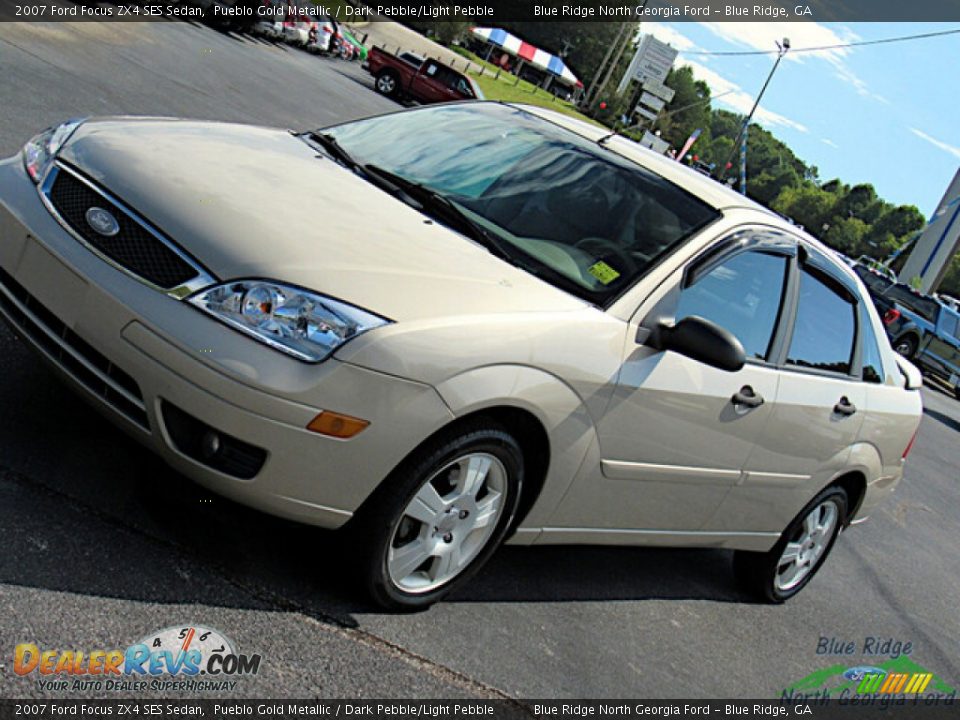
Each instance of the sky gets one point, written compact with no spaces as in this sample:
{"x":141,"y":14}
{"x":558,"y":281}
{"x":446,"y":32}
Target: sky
{"x":884,"y":114}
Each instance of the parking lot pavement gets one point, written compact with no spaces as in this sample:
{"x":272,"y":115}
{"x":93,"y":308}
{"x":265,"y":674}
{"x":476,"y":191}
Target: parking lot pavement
{"x":102,"y":543}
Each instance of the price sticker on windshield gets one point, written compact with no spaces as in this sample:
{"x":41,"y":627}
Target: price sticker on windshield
{"x":603,"y":272}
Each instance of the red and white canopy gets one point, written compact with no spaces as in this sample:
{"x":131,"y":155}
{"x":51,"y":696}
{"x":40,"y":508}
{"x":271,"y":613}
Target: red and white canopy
{"x":524,"y":50}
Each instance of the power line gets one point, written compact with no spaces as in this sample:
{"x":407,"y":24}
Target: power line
{"x":820,"y":48}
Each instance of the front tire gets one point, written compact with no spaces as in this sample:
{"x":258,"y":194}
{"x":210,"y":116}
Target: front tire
{"x":439,"y":517}
{"x":778,"y":575}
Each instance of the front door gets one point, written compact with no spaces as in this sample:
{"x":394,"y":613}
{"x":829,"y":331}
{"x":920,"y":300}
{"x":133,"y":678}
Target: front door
{"x":677,"y":432}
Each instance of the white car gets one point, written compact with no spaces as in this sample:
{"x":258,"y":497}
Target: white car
{"x":321,"y":37}
{"x":297,"y":32}
{"x":269,"y":29}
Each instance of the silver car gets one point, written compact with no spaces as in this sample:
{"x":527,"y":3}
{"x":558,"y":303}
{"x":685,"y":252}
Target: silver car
{"x":511,"y":326}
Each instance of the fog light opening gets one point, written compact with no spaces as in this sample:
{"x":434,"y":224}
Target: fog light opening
{"x":210,"y":444}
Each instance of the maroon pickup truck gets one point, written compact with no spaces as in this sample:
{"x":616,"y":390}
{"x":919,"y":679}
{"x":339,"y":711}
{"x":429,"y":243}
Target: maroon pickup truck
{"x":429,"y":81}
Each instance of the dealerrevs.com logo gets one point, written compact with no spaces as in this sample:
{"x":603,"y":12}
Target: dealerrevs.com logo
{"x":189,"y":658}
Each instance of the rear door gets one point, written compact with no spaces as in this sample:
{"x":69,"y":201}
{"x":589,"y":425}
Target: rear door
{"x":820,"y":404}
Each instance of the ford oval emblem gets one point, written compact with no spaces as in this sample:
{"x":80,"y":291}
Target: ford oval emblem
{"x":102,"y":221}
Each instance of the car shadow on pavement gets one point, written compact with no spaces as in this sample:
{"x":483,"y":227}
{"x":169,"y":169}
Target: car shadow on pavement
{"x":85,"y":509}
{"x":945,"y":419}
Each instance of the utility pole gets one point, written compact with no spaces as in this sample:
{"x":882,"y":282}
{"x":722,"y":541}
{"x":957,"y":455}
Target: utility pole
{"x":627,"y":36}
{"x":781,"y":51}
{"x":603,"y":64}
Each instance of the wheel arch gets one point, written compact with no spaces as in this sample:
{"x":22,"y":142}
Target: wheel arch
{"x":864,"y":463}
{"x":530,"y":434}
{"x":556,"y":428}
{"x":854,"y":483}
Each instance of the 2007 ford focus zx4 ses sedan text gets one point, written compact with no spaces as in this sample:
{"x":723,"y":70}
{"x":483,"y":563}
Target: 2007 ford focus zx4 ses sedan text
{"x":509,"y":326}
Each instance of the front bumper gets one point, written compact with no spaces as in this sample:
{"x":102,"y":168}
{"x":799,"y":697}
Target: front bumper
{"x":130,"y":349}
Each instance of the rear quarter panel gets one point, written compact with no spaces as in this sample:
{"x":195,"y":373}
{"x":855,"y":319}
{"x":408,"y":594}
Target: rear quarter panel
{"x":892,"y":419}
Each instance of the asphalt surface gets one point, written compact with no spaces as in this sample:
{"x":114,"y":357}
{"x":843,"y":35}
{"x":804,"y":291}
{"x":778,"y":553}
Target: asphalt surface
{"x":100,"y":543}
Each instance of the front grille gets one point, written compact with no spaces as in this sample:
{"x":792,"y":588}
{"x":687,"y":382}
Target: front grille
{"x":207,"y":445}
{"x":134,"y":247}
{"x":70,"y":351}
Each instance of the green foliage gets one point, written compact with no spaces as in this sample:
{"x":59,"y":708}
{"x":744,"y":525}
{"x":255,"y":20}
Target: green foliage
{"x":807,"y":205}
{"x":770,"y":183}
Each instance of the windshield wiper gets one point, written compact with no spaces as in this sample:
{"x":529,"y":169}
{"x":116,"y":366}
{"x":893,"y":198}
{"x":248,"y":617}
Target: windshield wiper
{"x":336,"y":151}
{"x":443,"y":209}
{"x":449,"y":213}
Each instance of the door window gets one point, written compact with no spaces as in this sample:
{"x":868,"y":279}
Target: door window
{"x":742,"y":295}
{"x":872,"y":364}
{"x":825,"y":328}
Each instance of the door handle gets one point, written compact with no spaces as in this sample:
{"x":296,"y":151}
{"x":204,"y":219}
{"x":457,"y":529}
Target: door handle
{"x":747,"y":397}
{"x":845,"y":407}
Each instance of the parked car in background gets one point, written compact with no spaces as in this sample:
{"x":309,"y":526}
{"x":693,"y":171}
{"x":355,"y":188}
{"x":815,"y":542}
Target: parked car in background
{"x":431,"y":82}
{"x":321,"y":36}
{"x":939,"y":353}
{"x":412,"y":58}
{"x":908,"y":315}
{"x":875,"y":281}
{"x":877,"y":267}
{"x":950,"y":301}
{"x":920,"y":327}
{"x":509,"y":325}
{"x":351,"y":48}
{"x":270,"y":29}
{"x":240,"y":22}
{"x":297,"y":32}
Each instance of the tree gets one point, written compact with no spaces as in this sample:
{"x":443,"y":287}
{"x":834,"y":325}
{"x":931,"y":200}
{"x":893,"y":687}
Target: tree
{"x":836,"y":187}
{"x":689,"y":109}
{"x":807,"y":205}
{"x":856,"y":201}
{"x":769,"y":184}
{"x":447,"y":31}
{"x":846,"y":235}
{"x":901,"y":222}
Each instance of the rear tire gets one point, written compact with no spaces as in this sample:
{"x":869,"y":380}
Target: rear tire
{"x":438,"y":517}
{"x":906,"y":346}
{"x":778,"y":575}
{"x":387,"y":83}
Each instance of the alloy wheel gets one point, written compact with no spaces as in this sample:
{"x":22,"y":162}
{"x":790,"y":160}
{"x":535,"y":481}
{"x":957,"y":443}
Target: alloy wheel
{"x":801,"y":554}
{"x":447,"y":523}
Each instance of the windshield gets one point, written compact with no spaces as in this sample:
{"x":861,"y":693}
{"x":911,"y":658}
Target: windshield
{"x":595,"y":221}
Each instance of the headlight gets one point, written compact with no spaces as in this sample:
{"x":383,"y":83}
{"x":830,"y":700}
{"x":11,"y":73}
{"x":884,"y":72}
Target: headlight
{"x":40,"y":151}
{"x":300,"y":323}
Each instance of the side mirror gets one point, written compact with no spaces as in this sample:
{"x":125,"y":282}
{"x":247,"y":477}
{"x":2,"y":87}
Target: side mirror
{"x":700,"y":340}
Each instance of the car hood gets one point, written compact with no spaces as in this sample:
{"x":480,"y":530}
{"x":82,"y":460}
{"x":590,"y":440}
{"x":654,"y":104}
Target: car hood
{"x":259,"y":202}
